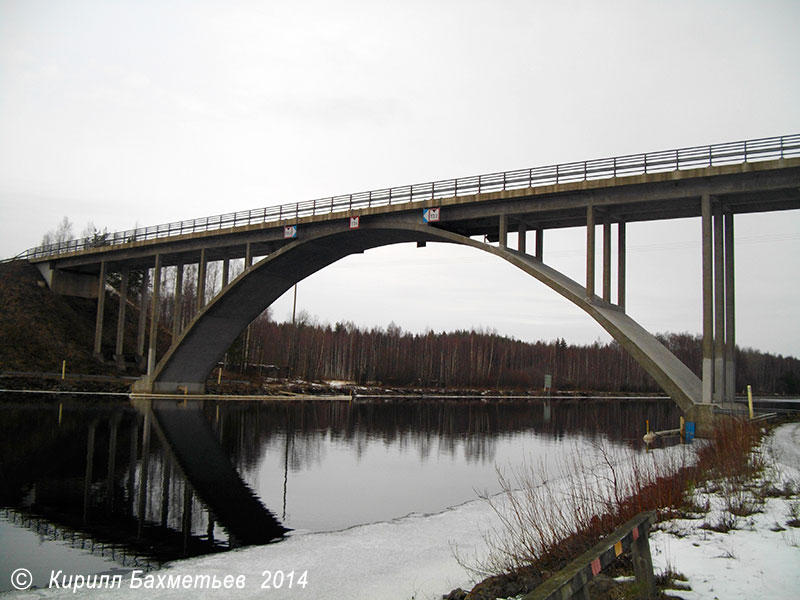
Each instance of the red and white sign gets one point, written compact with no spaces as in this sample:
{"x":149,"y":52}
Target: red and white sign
{"x":290,"y":232}
{"x":354,"y":222}
{"x":430,"y":215}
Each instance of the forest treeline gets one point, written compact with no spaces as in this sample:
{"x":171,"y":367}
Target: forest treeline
{"x":391,"y":356}
{"x":481,"y":359}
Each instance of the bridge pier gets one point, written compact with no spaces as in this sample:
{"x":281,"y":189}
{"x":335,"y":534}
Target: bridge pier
{"x":503,"y":231}
{"x":522,"y":233}
{"x":539,"y":243}
{"x":151,"y":352}
{"x":140,"y":338}
{"x":607,"y":257}
{"x":201,"y":280}
{"x":590,"y":248}
{"x":719,"y":306}
{"x":101,"y":304}
{"x":123,"y":305}
{"x":708,"y":301}
{"x":730,"y":314}
{"x":719,"y":318}
{"x":226,"y":266}
{"x":177,"y":310}
{"x":621,"y":264}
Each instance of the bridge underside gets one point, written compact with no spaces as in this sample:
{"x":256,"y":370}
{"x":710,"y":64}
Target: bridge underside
{"x":197,"y":351}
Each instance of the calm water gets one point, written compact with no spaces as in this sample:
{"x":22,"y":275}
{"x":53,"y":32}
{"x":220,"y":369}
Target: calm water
{"x":95,"y":486}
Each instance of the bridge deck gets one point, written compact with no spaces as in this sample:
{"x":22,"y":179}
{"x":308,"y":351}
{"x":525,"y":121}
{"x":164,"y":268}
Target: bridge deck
{"x":753,"y":176}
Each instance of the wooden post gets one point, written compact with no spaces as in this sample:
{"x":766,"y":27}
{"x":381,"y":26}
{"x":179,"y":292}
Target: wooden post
{"x":643,"y":562}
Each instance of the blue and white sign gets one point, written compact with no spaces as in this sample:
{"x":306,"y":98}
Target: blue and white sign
{"x":430,"y":215}
{"x":689,"y":432}
{"x":289,"y":232}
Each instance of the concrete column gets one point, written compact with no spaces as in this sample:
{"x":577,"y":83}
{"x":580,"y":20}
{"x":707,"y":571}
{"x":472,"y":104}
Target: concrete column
{"x":101,"y":305}
{"x":522,"y":233}
{"x":589,"y":251}
{"x":177,"y":310}
{"x":226,"y":271}
{"x":719,"y":306}
{"x":503,"y":231}
{"x":140,"y":339}
{"x":151,"y":352}
{"x":540,"y":243}
{"x":248,"y":256}
{"x":621,"y":264}
{"x":730,"y":313}
{"x":201,"y":280}
{"x":708,"y":301}
{"x":607,"y":257}
{"x":123,"y":305}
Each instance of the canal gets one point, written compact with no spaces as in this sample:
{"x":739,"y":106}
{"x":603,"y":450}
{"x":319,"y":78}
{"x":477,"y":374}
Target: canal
{"x":106,"y":484}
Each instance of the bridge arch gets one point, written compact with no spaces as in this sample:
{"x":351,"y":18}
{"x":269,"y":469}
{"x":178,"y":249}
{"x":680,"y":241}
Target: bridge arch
{"x":196,"y":352}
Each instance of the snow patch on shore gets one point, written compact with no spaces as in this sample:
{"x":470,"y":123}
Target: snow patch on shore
{"x":412,"y":557}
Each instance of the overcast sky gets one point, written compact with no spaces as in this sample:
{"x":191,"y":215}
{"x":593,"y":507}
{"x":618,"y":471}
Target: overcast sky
{"x":142,"y":112}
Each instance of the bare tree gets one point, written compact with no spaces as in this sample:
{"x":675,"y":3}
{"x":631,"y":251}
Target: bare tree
{"x":62,"y":233}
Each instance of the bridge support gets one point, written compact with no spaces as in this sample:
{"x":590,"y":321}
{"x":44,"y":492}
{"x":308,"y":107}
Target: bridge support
{"x":719,"y":307}
{"x":730,"y":314}
{"x":140,"y":338}
{"x":248,"y":256}
{"x":151,"y":352}
{"x":540,"y":243}
{"x":226,"y":269}
{"x":201,"y":280}
{"x":522,"y":232}
{"x":503,"y":231}
{"x":177,"y":310}
{"x":101,"y":304}
{"x":607,"y":257}
{"x":590,"y":247}
{"x":123,"y":305}
{"x":719,"y":320}
{"x":708,"y":301}
{"x":621,"y":265}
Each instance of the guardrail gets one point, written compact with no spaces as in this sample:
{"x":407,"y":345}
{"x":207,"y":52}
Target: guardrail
{"x":632,"y":536}
{"x":603,"y":168}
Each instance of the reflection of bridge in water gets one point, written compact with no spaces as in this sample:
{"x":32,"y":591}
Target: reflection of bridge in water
{"x":73,"y":485}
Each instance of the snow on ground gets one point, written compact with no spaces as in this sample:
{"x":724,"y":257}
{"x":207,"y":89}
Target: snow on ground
{"x":759,"y":559}
{"x":412,"y":557}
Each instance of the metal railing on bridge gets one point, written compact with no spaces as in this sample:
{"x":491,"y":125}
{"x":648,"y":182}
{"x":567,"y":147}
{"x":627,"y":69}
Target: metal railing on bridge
{"x":604,"y":168}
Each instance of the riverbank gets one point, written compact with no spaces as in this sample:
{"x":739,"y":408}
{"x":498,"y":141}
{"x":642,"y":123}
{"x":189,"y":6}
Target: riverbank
{"x":413,"y":557}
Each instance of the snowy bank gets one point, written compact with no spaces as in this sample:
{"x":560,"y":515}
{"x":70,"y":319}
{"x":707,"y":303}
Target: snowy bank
{"x":412,"y":557}
{"x":758,"y":559}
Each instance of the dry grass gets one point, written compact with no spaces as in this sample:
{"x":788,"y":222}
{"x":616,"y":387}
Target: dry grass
{"x":544,"y":522}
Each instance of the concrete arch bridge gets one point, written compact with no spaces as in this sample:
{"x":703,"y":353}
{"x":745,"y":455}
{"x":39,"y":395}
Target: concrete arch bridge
{"x":282,"y":245}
